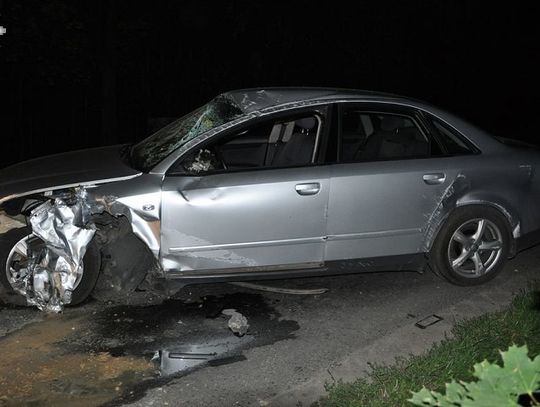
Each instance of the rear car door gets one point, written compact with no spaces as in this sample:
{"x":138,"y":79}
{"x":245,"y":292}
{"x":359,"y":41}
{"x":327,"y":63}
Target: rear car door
{"x":252,"y":199}
{"x":388,"y":183}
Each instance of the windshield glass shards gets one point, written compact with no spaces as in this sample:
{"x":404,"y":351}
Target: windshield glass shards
{"x":149,"y":152}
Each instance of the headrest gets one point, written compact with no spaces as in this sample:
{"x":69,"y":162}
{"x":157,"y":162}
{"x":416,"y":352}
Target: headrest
{"x":274,"y":135}
{"x":306,"y":123}
{"x":287,"y":134}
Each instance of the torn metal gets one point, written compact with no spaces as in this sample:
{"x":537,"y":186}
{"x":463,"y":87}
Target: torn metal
{"x":63,"y":226}
{"x":55,"y":264}
{"x":48,"y":263}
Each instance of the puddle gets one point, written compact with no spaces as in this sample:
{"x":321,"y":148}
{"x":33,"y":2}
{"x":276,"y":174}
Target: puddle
{"x":113,"y":355}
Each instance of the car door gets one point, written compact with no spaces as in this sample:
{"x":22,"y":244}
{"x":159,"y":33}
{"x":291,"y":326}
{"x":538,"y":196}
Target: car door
{"x":257,"y":204}
{"x":389,"y":181}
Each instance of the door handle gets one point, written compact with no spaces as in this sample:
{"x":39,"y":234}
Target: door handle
{"x":434,"y":179}
{"x":308,"y":189}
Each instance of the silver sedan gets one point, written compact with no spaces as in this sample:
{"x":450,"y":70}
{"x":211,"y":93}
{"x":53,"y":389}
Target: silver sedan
{"x":268,"y":184}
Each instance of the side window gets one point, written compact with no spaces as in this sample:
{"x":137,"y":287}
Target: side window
{"x":371,"y":136}
{"x":284,"y":143}
{"x":453,"y":143}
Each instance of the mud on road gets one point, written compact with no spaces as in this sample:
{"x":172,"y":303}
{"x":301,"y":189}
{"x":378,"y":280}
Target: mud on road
{"x":105,"y":354}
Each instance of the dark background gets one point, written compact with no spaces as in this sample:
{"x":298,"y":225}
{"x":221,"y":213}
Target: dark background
{"x":77,"y":74}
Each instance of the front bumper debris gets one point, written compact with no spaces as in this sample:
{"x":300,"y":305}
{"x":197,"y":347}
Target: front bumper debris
{"x":55,"y":265}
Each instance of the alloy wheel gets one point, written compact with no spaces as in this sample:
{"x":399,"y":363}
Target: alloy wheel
{"x":475,"y":248}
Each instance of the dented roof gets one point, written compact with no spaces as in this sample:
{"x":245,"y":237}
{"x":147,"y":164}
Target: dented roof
{"x":251,"y":100}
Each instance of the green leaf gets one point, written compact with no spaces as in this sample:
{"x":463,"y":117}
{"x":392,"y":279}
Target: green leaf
{"x":496,"y":385}
{"x":455,"y":392}
{"x":525,"y":370}
{"x":423,"y":398}
{"x":430,"y":398}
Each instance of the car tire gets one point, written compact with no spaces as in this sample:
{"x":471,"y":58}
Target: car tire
{"x":472,"y":247}
{"x":91,"y":261}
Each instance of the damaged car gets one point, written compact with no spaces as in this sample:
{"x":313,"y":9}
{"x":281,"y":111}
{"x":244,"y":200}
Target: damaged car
{"x":268,"y":184}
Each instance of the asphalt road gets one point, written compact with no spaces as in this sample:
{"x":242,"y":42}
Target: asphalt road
{"x":181,"y":352}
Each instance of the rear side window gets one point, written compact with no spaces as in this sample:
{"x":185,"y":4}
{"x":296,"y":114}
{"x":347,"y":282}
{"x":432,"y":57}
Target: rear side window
{"x":452,"y":142}
{"x":373,"y":136}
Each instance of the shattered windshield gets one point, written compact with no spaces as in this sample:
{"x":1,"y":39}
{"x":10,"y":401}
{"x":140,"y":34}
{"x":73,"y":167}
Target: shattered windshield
{"x":149,"y":152}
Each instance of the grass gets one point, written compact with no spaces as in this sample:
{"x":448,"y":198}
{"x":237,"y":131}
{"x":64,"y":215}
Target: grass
{"x":472,"y":341}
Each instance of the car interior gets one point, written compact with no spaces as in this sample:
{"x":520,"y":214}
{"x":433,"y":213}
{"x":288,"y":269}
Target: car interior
{"x":366,"y":136}
{"x":285,"y":143}
{"x":370,"y":136}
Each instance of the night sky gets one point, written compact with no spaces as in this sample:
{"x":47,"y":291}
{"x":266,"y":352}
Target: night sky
{"x":76,"y":74}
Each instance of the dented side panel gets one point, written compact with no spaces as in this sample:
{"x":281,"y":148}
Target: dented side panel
{"x":139,"y":200}
{"x":243,"y":220}
{"x":382,"y":208}
{"x":386,"y":208}
{"x":502,"y":182}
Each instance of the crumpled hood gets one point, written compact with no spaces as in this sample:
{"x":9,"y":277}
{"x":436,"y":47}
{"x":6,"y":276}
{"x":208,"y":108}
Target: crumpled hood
{"x":76,"y":167}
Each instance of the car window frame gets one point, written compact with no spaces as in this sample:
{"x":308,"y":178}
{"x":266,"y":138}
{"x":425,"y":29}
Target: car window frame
{"x":321,"y":112}
{"x":371,"y":107}
{"x":428,"y":118}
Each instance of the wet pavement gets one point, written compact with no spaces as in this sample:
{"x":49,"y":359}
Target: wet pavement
{"x":101,"y":353}
{"x":181,"y":351}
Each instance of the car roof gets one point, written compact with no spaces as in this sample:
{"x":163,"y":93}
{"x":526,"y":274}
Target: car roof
{"x":270,"y":99}
{"x":257,"y":99}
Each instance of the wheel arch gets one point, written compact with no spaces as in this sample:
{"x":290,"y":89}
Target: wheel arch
{"x":510,"y":216}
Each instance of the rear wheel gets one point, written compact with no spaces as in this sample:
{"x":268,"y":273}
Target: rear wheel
{"x":13,"y":263}
{"x":472,"y":247}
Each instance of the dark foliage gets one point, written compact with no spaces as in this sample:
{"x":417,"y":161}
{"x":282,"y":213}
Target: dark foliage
{"x":75,"y":74}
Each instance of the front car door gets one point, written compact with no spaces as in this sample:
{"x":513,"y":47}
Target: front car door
{"x":249,"y":199}
{"x":390,"y":179}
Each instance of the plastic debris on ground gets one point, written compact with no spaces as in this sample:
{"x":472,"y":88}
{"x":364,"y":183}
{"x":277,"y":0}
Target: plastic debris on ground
{"x":238,"y":323}
{"x":428,"y":321}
